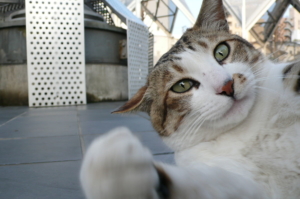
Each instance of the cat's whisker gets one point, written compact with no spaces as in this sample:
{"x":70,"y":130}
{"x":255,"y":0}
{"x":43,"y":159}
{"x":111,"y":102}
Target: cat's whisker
{"x":277,"y":77}
{"x":281,"y":77}
{"x":208,"y":116}
{"x":200,"y":125}
{"x":268,"y":89}
{"x":257,"y":72}
{"x":194,"y":123}
{"x":290,"y":110}
{"x":200,"y":109}
{"x":291,"y":77}
{"x":261,"y":79}
{"x":197,"y":125}
{"x":273,"y":53}
{"x":247,"y":71}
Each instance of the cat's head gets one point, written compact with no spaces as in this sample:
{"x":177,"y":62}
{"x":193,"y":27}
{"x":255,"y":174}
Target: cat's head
{"x":206,"y":79}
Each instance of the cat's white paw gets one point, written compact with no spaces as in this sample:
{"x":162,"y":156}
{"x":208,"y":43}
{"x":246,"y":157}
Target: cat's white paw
{"x":117,"y":166}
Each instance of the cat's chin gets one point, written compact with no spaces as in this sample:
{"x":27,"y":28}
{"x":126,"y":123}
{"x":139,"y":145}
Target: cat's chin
{"x":237,"y":108}
{"x":236,"y":114}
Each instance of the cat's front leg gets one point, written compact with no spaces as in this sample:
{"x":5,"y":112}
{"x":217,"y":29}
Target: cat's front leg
{"x":117,"y":166}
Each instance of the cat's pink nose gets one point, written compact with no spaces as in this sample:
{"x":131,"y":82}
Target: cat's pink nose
{"x":227,"y":89}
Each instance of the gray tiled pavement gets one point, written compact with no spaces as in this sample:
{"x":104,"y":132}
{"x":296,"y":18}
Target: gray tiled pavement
{"x":41,"y":148}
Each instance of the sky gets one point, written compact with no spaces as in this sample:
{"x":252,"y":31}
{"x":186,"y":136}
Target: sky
{"x":182,"y":22}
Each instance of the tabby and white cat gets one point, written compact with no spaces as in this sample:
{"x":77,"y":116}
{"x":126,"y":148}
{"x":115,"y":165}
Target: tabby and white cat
{"x":231,"y":116}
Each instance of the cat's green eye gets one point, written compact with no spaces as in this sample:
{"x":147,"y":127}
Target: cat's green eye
{"x":182,"y":86}
{"x":221,"y":52}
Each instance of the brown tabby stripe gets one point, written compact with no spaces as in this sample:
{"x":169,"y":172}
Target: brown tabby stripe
{"x":167,"y":76}
{"x":178,"y":68}
{"x":165,"y":114}
{"x":173,"y":103}
{"x":177,"y":58}
{"x":297,"y":86}
{"x":255,"y":59}
{"x":241,"y":40}
{"x":240,"y":54}
{"x":287,"y":70}
{"x":185,"y":39}
{"x":192,"y":48}
{"x":203,"y":44}
{"x":178,"y":103}
{"x":179,"y":122}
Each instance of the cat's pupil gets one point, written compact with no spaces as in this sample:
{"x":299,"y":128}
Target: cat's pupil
{"x":220,"y":53}
{"x":182,"y":84}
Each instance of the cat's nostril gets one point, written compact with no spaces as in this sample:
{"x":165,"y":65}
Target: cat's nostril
{"x":228,"y":89}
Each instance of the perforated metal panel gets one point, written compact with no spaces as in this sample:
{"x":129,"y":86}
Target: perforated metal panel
{"x":55,"y":52}
{"x":100,"y":7}
{"x":137,"y":44}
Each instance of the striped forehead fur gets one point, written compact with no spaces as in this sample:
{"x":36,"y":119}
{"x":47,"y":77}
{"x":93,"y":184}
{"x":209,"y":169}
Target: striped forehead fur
{"x":194,"y":40}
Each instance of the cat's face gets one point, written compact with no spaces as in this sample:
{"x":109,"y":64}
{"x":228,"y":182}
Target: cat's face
{"x":208,"y":79}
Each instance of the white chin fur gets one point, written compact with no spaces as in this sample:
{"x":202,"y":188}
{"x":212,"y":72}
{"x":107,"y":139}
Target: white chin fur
{"x":237,"y":113}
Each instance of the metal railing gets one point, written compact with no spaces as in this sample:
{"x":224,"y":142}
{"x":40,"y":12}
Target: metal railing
{"x":101,"y":8}
{"x":11,"y":5}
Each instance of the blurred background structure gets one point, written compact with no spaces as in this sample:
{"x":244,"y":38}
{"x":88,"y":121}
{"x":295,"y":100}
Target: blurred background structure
{"x":123,"y":39}
{"x":271,"y":26}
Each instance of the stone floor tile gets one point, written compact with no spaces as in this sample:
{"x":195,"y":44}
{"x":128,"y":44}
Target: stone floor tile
{"x":53,"y":125}
{"x":46,"y":149}
{"x":59,"y":180}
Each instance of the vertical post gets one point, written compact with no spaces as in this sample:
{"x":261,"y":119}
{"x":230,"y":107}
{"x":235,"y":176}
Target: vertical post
{"x":138,"y":8}
{"x":244,"y":31}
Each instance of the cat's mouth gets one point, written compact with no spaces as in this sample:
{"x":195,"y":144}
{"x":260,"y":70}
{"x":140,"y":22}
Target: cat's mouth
{"x":237,"y":92}
{"x":241,"y":101}
{"x":236,"y":107}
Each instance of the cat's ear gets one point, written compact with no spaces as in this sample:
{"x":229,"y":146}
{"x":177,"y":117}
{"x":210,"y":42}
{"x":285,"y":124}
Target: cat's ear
{"x":212,"y":16}
{"x":135,"y":103}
